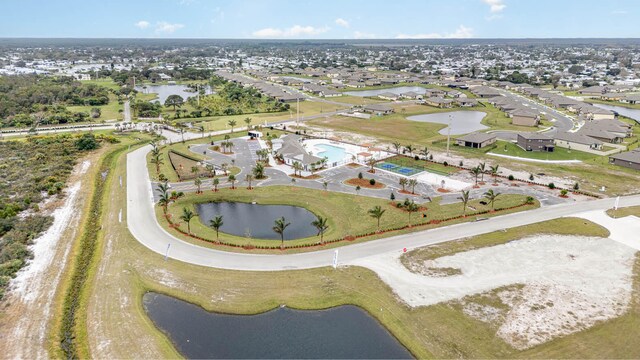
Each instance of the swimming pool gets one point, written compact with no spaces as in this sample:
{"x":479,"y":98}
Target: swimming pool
{"x":334,"y":154}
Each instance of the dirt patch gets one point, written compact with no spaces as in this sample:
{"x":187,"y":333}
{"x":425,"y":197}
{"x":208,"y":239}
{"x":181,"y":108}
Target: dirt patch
{"x":364,"y":183}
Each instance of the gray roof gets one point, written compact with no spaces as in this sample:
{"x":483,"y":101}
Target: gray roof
{"x":534,"y":136}
{"x":577,"y":138}
{"x":377,"y":107}
{"x":630,"y":156}
{"x":477,"y":137}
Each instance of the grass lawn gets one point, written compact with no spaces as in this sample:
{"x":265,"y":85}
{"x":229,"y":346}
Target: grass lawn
{"x":105,"y":82}
{"x":421,"y":164}
{"x":355,"y":100}
{"x":497,"y":120}
{"x":625,"y":211}
{"x":116,"y":321}
{"x":346,"y":213}
{"x":107,"y":112}
{"x":557,"y":154}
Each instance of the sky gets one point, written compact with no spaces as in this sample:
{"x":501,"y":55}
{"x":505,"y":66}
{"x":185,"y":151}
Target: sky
{"x":320,"y":19}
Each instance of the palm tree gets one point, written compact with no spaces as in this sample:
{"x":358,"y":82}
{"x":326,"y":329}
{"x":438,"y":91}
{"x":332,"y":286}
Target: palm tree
{"x":297,"y":167}
{"x":482,"y":167}
{"x":248,"y":178}
{"x":215,"y":183}
{"x":321,"y":224}
{"x":425,"y":152}
{"x":164,"y":201}
{"x":397,"y":146}
{"x":232,"y":123}
{"x":371,"y":162}
{"x":491,"y":196}
{"x":216,"y":223}
{"x":411,"y":207}
{"x":258,"y":171}
{"x":248,"y":122}
{"x":224,"y":168}
{"x":410,"y":149}
{"x":280,"y":225}
{"x":476,"y":171}
{"x":232,"y":180}
{"x":403,"y":182}
{"x":325,"y":185}
{"x":413,"y":183}
{"x":194,"y":170}
{"x":494,"y":170}
{"x":197,"y":182}
{"x":376,"y":213}
{"x":186,"y":216}
{"x":465,"y":199}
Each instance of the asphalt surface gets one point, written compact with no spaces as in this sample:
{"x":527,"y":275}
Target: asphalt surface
{"x":145,"y":228}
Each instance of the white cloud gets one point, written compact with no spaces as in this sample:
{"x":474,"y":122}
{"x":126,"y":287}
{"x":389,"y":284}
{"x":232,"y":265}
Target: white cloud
{"x":363,"y":35}
{"x":164,"y":27}
{"x":142,"y":24}
{"x":342,"y":22}
{"x":294,"y":31}
{"x":462,"y":32}
{"x":495,"y":6}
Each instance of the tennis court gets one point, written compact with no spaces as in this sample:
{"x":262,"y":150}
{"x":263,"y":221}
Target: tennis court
{"x":402,"y":170}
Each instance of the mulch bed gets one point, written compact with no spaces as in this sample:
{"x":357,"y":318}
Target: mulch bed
{"x":364,"y":183}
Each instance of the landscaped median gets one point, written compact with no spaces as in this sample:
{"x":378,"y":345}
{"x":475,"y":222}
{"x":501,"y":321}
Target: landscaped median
{"x":347,"y":215}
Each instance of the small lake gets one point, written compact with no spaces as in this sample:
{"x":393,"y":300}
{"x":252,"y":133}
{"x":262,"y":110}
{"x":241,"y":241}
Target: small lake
{"x":630,"y":113}
{"x":462,"y":122}
{"x":344,"y":332}
{"x":256,"y":220}
{"x":164,"y":91}
{"x":395,"y":90}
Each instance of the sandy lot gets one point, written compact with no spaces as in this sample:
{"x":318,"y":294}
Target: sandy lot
{"x":31,"y":298}
{"x":566,"y":283}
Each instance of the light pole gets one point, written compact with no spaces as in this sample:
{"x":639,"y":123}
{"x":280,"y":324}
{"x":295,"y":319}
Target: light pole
{"x":448,"y":134}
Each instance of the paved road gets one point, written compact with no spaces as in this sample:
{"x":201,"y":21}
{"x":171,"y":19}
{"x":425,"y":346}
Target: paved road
{"x":561,"y":122}
{"x":145,"y":228}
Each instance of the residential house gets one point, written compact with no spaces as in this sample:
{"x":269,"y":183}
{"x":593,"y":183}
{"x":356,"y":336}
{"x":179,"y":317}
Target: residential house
{"x":629,"y":159}
{"x":535,"y":142}
{"x":577,"y":141}
{"x":476,"y":140}
{"x":439,"y":102}
{"x":378,"y":109}
{"x":293,"y":150}
{"x":465,"y":102}
{"x":389,"y":96}
{"x":523,"y":117}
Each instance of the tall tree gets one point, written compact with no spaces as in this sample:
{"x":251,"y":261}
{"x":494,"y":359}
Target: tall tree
{"x":412,"y":183}
{"x":464,"y":197}
{"x":198,"y":183}
{"x":403,"y":182}
{"x":215,"y":184}
{"x":249,"y":178}
{"x":491,"y":196}
{"x":232,"y":180}
{"x":376,"y":212}
{"x":174,"y":100}
{"x":187,"y":215}
{"x":216,"y":223}
{"x":320,"y":223}
{"x":232,"y":123}
{"x":248,"y":122}
{"x":279,"y":226}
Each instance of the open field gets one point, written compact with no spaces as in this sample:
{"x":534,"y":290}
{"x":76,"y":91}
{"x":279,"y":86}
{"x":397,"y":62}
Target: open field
{"x":511,"y":149}
{"x":346,"y":213}
{"x":105,"y":82}
{"x":107,"y":112}
{"x":626,"y":211}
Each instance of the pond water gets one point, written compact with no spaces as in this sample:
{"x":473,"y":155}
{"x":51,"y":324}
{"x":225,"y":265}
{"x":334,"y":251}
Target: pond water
{"x":630,"y":113}
{"x":256,"y":220}
{"x":344,"y":332}
{"x":462,"y":122}
{"x":164,"y":91}
{"x":395,"y":90}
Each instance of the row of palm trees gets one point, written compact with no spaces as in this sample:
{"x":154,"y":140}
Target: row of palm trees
{"x":411,"y":149}
{"x":481,"y":169}
{"x":490,"y":195}
{"x":412,"y":183}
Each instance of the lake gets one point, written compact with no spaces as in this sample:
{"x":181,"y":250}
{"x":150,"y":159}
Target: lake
{"x":256,"y":220}
{"x":344,"y":332}
{"x":164,"y":91}
{"x":462,"y":122}
{"x":395,"y":90}
{"x":630,"y":113}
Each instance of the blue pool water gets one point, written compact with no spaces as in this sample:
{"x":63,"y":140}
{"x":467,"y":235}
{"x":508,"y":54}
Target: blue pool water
{"x":333,"y":153}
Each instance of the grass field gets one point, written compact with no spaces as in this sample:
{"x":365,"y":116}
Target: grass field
{"x":422,"y":165}
{"x":107,"y":112}
{"x":105,"y":82}
{"x":116,"y":322}
{"x":511,"y":149}
{"x":346,"y":213}
{"x":626,"y":211}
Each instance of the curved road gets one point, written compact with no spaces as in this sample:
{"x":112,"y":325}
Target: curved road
{"x":145,"y":228}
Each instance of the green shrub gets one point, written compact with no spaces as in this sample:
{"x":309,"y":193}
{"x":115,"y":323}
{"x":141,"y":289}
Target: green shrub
{"x":552,"y":186}
{"x":372,"y":181}
{"x":360,"y":176}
